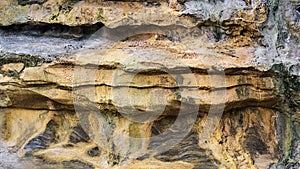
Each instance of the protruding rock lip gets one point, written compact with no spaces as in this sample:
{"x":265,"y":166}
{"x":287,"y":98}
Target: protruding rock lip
{"x":117,"y":13}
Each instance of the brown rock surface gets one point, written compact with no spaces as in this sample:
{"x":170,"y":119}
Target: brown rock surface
{"x":149,"y":84}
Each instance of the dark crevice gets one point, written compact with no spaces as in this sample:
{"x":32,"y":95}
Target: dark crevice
{"x":94,"y":152}
{"x":53,"y":30}
{"x":218,"y":34}
{"x":79,"y":135}
{"x":187,"y":150}
{"x":31,"y":2}
{"x":43,"y":140}
{"x":298,"y":9}
{"x":298,"y":14}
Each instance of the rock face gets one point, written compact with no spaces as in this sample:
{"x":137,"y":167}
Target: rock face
{"x":150,"y":84}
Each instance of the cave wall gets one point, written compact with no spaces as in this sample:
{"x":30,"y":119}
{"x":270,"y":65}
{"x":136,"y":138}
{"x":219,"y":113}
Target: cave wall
{"x":150,"y":84}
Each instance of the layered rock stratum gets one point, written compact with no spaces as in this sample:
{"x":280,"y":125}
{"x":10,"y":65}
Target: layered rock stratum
{"x":150,"y":84}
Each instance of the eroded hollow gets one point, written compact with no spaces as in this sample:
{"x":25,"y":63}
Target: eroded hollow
{"x":52,"y":30}
{"x":43,"y":140}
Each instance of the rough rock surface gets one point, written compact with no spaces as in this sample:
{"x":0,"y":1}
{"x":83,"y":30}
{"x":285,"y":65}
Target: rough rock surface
{"x":150,"y":84}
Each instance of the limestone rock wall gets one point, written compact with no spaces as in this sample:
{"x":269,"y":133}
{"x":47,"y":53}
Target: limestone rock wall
{"x":149,"y":84}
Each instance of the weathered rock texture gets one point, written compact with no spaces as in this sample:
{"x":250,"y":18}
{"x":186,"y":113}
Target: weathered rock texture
{"x":150,"y":84}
